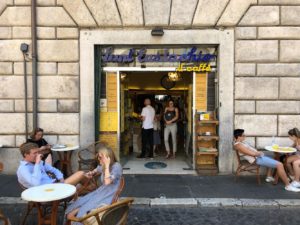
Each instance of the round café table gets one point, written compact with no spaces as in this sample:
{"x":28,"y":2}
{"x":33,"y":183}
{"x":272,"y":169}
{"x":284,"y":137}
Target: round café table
{"x":277,"y":152}
{"x":53,"y":193}
{"x":65,"y":154}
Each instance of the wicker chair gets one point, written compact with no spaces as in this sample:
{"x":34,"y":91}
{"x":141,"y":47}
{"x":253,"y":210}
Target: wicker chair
{"x":245,"y":166}
{"x":3,"y":218}
{"x":94,"y":215}
{"x":114,"y":214}
{"x":87,"y":157}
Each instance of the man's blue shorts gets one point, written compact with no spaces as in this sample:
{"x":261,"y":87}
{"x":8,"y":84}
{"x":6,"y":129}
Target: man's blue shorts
{"x":266,"y":161}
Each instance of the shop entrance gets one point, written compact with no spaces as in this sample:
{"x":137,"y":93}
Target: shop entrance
{"x":135,"y":87}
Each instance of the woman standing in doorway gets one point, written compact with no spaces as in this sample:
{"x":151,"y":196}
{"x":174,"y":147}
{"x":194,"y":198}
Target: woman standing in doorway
{"x":170,"y":118}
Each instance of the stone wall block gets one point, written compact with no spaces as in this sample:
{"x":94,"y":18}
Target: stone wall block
{"x":279,"y":32}
{"x":156,"y":12}
{"x":287,"y":122}
{"x":244,"y":107}
{"x":13,"y":87}
{"x":290,"y":51}
{"x":208,"y":12}
{"x":6,"y":106}
{"x":278,"y":107}
{"x":38,"y":2}
{"x":10,"y":50}
{"x":279,"y":2}
{"x":108,"y":17}
{"x":183,"y":15}
{"x":5,"y":33}
{"x":43,"y":68}
{"x":58,"y":87}
{"x":12,"y":123}
{"x":245,"y":32}
{"x":4,"y":3}
{"x":51,"y":139}
{"x":245,"y":69}
{"x":253,"y":51}
{"x":234,"y":12}
{"x":21,"y":32}
{"x":257,"y":125}
{"x":126,"y":8}
{"x":58,"y":16}
{"x":65,"y":106}
{"x":68,"y":68}
{"x":7,"y":140}
{"x":47,"y":105}
{"x":79,"y":12}
{"x":67,"y":33}
{"x":261,"y":16}
{"x":278,"y":69}
{"x":289,"y":88}
{"x":6,"y":68}
{"x":256,"y":88}
{"x":290,"y":15}
{"x":20,"y":139}
{"x":15,"y":16}
{"x":262,"y":142}
{"x":20,"y":105}
{"x":59,"y":123}
{"x":69,"y":139}
{"x":58,"y":50}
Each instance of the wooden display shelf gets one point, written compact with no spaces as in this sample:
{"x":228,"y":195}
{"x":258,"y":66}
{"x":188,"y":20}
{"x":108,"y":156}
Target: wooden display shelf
{"x":207,"y":138}
{"x":208,"y":122}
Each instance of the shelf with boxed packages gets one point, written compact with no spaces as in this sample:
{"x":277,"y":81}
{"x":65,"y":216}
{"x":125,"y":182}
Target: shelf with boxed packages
{"x":206,"y":144}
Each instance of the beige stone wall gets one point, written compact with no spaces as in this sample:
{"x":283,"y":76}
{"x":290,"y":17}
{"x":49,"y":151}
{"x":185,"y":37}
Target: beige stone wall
{"x":267,"y":58}
{"x":267,"y":71}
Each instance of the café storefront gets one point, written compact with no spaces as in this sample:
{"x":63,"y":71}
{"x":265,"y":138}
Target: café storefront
{"x":126,"y":68}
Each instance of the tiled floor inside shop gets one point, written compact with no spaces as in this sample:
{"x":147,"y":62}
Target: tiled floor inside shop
{"x":173,"y":166}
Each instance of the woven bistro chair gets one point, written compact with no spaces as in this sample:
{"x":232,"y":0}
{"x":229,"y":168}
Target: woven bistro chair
{"x":87,"y":157}
{"x":94,"y":216}
{"x":114,"y":214}
{"x":245,"y":166}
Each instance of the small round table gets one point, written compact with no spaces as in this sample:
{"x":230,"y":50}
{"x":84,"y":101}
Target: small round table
{"x":53,"y":193}
{"x":65,"y":154}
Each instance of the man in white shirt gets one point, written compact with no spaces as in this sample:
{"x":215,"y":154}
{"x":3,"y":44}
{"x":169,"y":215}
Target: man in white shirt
{"x":147,"y":117}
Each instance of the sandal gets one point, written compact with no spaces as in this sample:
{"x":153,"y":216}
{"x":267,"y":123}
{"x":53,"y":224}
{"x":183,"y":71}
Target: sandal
{"x":168,"y":156}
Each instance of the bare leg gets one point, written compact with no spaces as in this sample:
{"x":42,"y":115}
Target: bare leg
{"x":296,"y":167}
{"x":289,"y":162}
{"x":269,"y":172}
{"x":75,"y":178}
{"x":282,"y":174}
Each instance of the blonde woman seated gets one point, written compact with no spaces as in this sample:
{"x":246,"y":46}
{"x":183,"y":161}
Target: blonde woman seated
{"x":294,"y":135}
{"x":111,"y":172}
{"x":252,"y":155}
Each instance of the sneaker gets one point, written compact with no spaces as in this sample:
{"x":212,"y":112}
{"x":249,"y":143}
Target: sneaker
{"x":296,"y":184}
{"x":270,"y":179}
{"x":290,"y":187}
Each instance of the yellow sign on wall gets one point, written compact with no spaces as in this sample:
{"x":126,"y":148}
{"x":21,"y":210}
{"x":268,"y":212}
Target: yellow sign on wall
{"x":108,"y":121}
{"x":201,"y":92}
{"x":111,"y":91}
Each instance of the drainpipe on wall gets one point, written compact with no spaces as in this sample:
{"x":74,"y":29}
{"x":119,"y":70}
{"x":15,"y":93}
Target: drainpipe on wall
{"x":34,"y":64}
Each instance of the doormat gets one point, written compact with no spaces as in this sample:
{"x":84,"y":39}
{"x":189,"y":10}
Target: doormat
{"x":155,"y":165}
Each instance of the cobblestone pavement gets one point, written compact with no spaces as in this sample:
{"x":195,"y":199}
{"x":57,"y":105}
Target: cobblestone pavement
{"x":144,"y":215}
{"x":213,"y":216}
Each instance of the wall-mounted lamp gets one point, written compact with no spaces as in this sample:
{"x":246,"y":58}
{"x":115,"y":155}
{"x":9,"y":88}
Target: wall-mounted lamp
{"x":157,"y":31}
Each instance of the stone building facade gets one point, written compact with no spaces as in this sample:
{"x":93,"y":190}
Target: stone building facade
{"x":265,"y":85}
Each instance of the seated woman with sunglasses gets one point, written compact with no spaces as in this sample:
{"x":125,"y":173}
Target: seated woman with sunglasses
{"x":111,"y":172}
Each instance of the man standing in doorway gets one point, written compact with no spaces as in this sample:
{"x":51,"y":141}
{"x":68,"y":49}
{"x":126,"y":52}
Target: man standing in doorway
{"x":147,"y":116}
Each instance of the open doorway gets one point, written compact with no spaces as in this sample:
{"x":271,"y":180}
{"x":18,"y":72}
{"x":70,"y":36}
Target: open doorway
{"x":135,"y":87}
